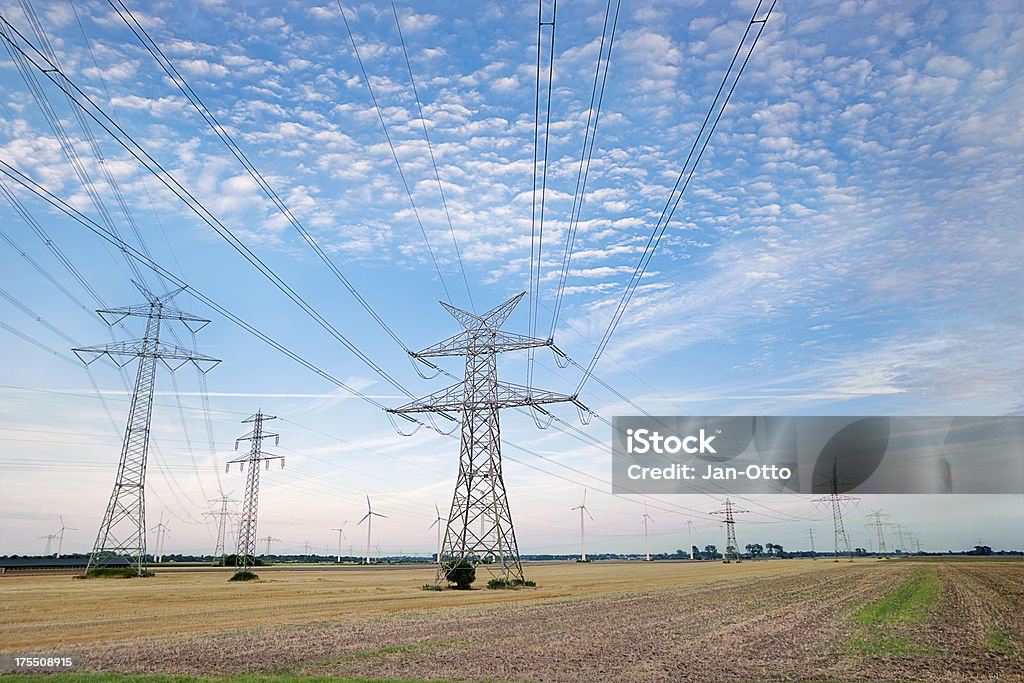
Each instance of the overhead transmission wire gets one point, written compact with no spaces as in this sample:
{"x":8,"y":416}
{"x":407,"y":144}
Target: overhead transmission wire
{"x":394,"y":153}
{"x":71,"y":153}
{"x":433,"y":160}
{"x":604,"y":57}
{"x":65,"y":84}
{"x":700,"y":144}
{"x":537,"y":213}
{"x":179,"y":81}
{"x":200,"y":375}
{"x":161,"y":177}
{"x":97,"y":229}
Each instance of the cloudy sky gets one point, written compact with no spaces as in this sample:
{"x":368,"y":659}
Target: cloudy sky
{"x":848,"y":246}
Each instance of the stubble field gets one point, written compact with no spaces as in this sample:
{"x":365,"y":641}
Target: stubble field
{"x":779,"y":620}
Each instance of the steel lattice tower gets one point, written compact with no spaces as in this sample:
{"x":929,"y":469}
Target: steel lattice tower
{"x":122,"y":533}
{"x":247,"y":528}
{"x":835,"y":500}
{"x":731,"y":545}
{"x":479,"y":527}
{"x":222,"y":522}
{"x":879,"y":525}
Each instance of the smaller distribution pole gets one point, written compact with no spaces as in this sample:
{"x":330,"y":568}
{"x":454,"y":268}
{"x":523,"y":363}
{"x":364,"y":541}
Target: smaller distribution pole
{"x":341,"y":534}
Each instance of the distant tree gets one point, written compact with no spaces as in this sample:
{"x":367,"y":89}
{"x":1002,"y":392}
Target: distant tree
{"x":696,"y":552}
{"x":710,"y":552}
{"x":980,"y":550}
{"x":460,"y":572}
{"x":755,"y":549}
{"x":860,"y":552}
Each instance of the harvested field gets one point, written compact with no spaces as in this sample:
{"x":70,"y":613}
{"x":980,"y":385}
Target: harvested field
{"x":792,"y":620}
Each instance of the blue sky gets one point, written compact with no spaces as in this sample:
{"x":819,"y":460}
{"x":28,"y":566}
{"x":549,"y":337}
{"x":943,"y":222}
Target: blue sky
{"x":849,"y":245}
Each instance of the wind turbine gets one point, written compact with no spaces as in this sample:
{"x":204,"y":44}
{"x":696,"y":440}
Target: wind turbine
{"x":583,"y":542}
{"x":368,"y":518}
{"x":437,"y":523}
{"x":341,"y":534}
{"x":647,"y":548}
{"x":689,"y":525}
{"x":60,"y":537}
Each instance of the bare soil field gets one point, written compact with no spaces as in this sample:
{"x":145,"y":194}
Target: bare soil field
{"x":788,"y":620}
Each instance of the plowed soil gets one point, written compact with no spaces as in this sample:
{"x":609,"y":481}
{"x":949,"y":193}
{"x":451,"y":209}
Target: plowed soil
{"x":626,"y":622}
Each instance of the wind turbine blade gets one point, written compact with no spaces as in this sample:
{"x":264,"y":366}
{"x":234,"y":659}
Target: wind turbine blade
{"x":588,"y":513}
{"x":584,"y":496}
{"x":434,"y":524}
{"x":437,"y":511}
{"x":363,"y":519}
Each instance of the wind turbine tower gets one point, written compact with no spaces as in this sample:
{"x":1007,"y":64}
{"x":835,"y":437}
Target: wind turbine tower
{"x":582,"y":507}
{"x":437,"y":523}
{"x":60,"y":537}
{"x":368,"y":518}
{"x":341,"y":535}
{"x":647,"y":548}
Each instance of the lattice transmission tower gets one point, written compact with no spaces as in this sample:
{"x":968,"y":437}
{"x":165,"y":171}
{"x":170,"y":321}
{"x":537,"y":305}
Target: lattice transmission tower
{"x":222,"y":515}
{"x":836,"y":500}
{"x":255,"y":456}
{"x":732,"y":548}
{"x":479,"y":527}
{"x":879,"y":526}
{"x":122,"y":533}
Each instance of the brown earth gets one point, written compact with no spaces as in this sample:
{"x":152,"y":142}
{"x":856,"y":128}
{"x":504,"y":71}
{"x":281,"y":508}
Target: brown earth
{"x":651,"y":622}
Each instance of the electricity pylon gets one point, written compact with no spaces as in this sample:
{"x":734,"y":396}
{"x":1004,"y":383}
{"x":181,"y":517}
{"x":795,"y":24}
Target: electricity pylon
{"x":161,"y":535}
{"x":810,"y":533}
{"x":49,"y":542}
{"x":732,"y":548}
{"x":60,"y":537}
{"x":480,"y":497}
{"x":879,"y":525}
{"x":899,"y":533}
{"x":582,"y":507}
{"x":835,"y":500}
{"x":222,"y":516}
{"x":647,"y":548}
{"x":268,"y":540}
{"x":250,"y":504}
{"x":122,"y":532}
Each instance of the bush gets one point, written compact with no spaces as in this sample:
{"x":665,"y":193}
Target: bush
{"x":513,"y":584}
{"x":461,"y":572}
{"x":431,"y":587}
{"x":114,"y":573}
{"x":244,"y":576}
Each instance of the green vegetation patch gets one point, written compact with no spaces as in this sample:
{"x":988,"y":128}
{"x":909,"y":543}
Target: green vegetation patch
{"x":1007,"y":641}
{"x":244,"y":576}
{"x":909,"y":602}
{"x":882,"y":621}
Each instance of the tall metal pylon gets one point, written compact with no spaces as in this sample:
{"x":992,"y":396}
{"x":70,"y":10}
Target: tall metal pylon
{"x":732,"y":548}
{"x":122,"y":532}
{"x":835,"y":500}
{"x":479,"y":527}
{"x":222,"y":517}
{"x":255,"y":456}
{"x":810,"y":533}
{"x":879,"y":526}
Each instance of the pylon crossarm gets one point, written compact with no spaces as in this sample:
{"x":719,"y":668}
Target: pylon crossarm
{"x":447,"y":399}
{"x":112,"y":316}
{"x":141,"y":347}
{"x":492,"y":319}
